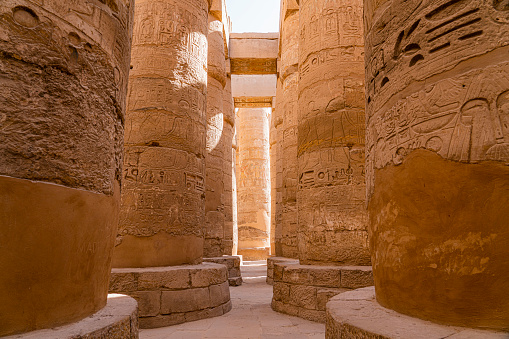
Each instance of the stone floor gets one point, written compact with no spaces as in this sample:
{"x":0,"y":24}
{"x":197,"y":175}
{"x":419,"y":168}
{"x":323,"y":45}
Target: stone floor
{"x":250,"y":318}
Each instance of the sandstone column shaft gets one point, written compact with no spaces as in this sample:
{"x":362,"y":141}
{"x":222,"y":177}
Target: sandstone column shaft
{"x":216,"y":141}
{"x":331,"y":194}
{"x":289,"y":78}
{"x":63,"y":70}
{"x":230,"y":224}
{"x":162,"y":213}
{"x":438,"y":148}
{"x":253,"y":182}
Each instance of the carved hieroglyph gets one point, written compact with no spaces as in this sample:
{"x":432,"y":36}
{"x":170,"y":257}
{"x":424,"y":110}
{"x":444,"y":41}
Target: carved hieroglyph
{"x":438,"y":145}
{"x":216,"y":141}
{"x":163,"y":193}
{"x":331,"y":192}
{"x":63,"y":76}
{"x":253,"y":185}
{"x":286,"y":244}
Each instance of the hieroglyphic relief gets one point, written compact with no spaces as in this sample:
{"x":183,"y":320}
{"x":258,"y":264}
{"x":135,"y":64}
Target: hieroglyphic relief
{"x":253,"y":178}
{"x":332,"y":220}
{"x":165,"y":140}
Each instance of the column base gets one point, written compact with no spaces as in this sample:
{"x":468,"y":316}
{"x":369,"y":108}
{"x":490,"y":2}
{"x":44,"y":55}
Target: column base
{"x":357,"y":314}
{"x":270,"y":266}
{"x":173,"y":295}
{"x":254,"y":253}
{"x":232,"y":264}
{"x":118,"y":319}
{"x":303,"y":290}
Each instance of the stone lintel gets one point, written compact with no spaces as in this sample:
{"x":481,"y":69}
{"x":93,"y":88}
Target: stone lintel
{"x":253,"y":66}
{"x":248,"y":102}
{"x":357,"y":314}
{"x":118,"y":319}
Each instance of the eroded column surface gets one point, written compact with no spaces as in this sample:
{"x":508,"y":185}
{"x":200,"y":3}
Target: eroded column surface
{"x":229,"y":183}
{"x":438,"y":149}
{"x":331,"y":193}
{"x":216,"y":142}
{"x":62,"y":106}
{"x":253,"y":183}
{"x":289,"y":95}
{"x":163,"y":193}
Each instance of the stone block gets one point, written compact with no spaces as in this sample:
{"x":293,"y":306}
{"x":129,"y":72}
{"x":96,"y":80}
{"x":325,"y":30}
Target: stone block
{"x":185,"y":300}
{"x":227,"y":307}
{"x":163,"y":278}
{"x":162,"y":320}
{"x":123,"y":281}
{"x":219,"y":294}
{"x":149,"y":302}
{"x":324,"y":294}
{"x":212,"y":275}
{"x":356,"y":277}
{"x":281,"y":307}
{"x":281,"y":292}
{"x":235,"y":281}
{"x":278,"y":272}
{"x":303,"y":296}
{"x":312,"y":315}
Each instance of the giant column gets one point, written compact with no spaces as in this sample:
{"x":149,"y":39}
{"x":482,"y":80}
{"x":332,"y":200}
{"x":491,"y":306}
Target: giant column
{"x":63,"y":70}
{"x":216,"y":141}
{"x":331,"y":194}
{"x":253,"y":182}
{"x":332,"y":220}
{"x":163,"y":198}
{"x":438,"y":149}
{"x":289,"y":79}
{"x":230,"y":202}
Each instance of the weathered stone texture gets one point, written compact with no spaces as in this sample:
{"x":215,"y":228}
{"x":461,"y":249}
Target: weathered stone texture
{"x":289,"y":77}
{"x":253,"y":182}
{"x":175,"y":294}
{"x":331,"y":193}
{"x":438,"y":148}
{"x":303,"y":290}
{"x":232,"y":264}
{"x":356,"y":314}
{"x":63,"y":85}
{"x":270,"y":266}
{"x":163,"y":193}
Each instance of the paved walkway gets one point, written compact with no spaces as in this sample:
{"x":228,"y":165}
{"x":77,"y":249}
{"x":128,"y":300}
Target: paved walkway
{"x":250,"y":318}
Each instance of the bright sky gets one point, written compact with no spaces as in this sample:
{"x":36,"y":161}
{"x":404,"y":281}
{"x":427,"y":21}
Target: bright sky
{"x":253,"y":15}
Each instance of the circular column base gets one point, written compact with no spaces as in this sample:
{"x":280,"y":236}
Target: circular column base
{"x":357,"y":314}
{"x":173,"y":295}
{"x":232,"y":263}
{"x":118,"y":319}
{"x":303,"y":290}
{"x":270,"y":266}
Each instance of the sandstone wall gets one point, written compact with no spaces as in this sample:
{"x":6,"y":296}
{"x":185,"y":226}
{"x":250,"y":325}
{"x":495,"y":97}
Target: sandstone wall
{"x":331,"y":193}
{"x":253,"y":185}
{"x":163,"y":193}
{"x":64,"y":67}
{"x":438,"y":148}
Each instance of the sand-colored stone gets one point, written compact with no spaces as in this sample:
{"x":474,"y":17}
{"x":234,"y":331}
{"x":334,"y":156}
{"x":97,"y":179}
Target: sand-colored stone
{"x":286,"y":243}
{"x":270,"y":266}
{"x":438,"y":148}
{"x":163,"y":193}
{"x":216,"y":143}
{"x":175,"y":294}
{"x":331,"y":195}
{"x":356,"y":314}
{"x":304,"y":290}
{"x":62,"y":105}
{"x":118,"y":319}
{"x":232,"y":264}
{"x":253,"y":185}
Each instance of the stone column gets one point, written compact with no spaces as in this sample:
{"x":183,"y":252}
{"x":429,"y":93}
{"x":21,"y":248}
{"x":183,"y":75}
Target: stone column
{"x":64,"y":68}
{"x":163,"y":193}
{"x":277,"y":163}
{"x":438,"y":148}
{"x":216,"y":142}
{"x":289,"y":79}
{"x":331,"y":193}
{"x":230,"y":225}
{"x":253,"y":183}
